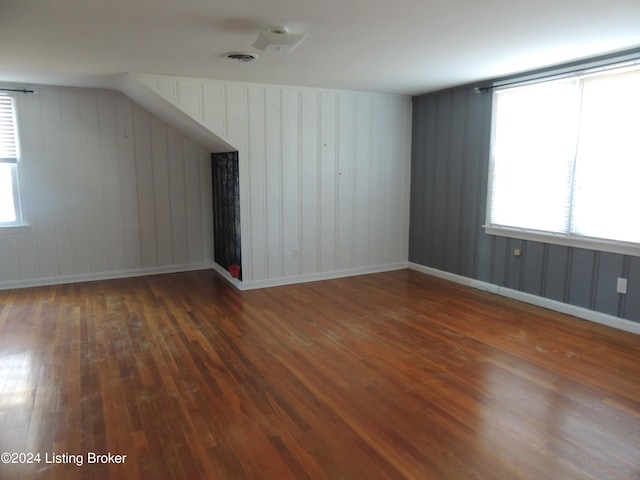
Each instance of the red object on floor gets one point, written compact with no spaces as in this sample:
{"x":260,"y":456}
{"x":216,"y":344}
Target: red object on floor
{"x":234,"y":270}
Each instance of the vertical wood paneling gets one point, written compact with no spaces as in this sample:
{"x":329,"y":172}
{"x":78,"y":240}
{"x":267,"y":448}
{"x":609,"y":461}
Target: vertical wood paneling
{"x":448,"y":179}
{"x":498,"y":260}
{"x":395,"y":173}
{"x":161,"y":195}
{"x":8,"y":258}
{"x":291,"y":189}
{"x":555,"y":272}
{"x":188,"y":97}
{"x":377,"y":181}
{"x":470,"y":225}
{"x":309,"y":181}
{"x":514,"y":265}
{"x":429,"y":224}
{"x":441,"y":175}
{"x":71,"y":192}
{"x":328,"y":211}
{"x":632,"y":298}
{"x":127,"y":185}
{"x":92,"y":186}
{"x":273,"y":182}
{"x":47,"y":194}
{"x":237,"y":119}
{"x":533,"y":256}
{"x":104,"y":187}
{"x":346,"y":178}
{"x":455,"y":182}
{"x":257,"y":181}
{"x":200,"y":227}
{"x":198,"y":202}
{"x":419,"y":163}
{"x":26,"y":259}
{"x":362,"y":205}
{"x":167,"y":87}
{"x":483,"y":241}
{"x":323,"y":174}
{"x":146,"y":193}
{"x":178,"y":200}
{"x":113,"y":240}
{"x":214,"y":109}
{"x":580,"y":288}
{"x":609,"y":269}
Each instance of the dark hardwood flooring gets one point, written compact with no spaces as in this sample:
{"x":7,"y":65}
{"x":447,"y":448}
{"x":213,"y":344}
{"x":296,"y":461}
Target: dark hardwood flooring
{"x":389,"y":376}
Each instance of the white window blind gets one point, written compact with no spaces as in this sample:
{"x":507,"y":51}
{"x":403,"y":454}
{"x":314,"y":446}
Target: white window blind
{"x":8,"y":134}
{"x":565,"y":160}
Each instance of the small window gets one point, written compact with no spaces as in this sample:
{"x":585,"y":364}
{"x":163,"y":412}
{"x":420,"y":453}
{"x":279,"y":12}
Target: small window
{"x":565,"y":161}
{"x":10,"y":211}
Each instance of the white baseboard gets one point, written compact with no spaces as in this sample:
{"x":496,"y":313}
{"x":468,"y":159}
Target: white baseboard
{"x":90,"y":277}
{"x":225,"y":273}
{"x":580,"y":312}
{"x":312,"y":277}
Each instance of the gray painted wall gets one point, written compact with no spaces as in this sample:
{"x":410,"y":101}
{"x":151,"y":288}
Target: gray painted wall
{"x":450,"y":155}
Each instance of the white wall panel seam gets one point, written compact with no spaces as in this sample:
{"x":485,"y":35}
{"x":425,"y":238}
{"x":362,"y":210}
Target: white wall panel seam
{"x":336,"y":210}
{"x":321,"y":193}
{"x":354,"y":177}
{"x":300,"y":245}
{"x":281,"y":149}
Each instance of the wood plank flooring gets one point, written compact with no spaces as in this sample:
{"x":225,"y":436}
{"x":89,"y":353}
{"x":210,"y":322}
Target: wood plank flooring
{"x":389,"y":376}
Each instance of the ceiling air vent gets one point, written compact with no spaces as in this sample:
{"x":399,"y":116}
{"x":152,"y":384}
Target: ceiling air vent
{"x":241,"y":56}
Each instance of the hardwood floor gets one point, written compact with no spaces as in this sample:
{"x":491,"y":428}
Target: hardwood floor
{"x":388,"y":376}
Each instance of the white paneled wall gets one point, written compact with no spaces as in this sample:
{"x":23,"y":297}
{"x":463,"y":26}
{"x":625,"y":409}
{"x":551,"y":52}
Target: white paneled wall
{"x":109,"y":190}
{"x":324,"y":174}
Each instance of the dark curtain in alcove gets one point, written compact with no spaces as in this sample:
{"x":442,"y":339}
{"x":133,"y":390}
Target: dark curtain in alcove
{"x":226,"y":209}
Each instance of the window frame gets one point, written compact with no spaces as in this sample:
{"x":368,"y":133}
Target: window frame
{"x":14,"y":163}
{"x":568,"y":239}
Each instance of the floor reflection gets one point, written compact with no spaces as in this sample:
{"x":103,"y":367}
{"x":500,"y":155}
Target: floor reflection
{"x":15,"y":380}
{"x":534,"y":417}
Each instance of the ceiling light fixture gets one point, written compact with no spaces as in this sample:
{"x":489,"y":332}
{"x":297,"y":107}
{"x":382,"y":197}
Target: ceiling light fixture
{"x":278,"y":39}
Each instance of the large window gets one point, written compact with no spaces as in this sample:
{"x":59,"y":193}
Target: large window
{"x":565,"y":161}
{"x":10,"y":211}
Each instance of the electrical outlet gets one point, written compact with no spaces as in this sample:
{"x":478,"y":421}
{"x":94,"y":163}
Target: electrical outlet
{"x":622,"y":285}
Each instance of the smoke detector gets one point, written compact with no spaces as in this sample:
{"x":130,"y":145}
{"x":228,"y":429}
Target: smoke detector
{"x":241,"y":56}
{"x":278,"y":39}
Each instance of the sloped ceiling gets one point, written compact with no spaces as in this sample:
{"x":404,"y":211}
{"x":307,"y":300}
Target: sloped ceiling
{"x":404,"y":46}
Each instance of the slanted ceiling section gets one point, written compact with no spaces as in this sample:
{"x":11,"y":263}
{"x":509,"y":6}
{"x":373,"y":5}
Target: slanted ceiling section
{"x":172,"y":112}
{"x":324,"y":174}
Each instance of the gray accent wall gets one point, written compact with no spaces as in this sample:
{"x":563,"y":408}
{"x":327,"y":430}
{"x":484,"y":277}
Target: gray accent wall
{"x":450,"y":157}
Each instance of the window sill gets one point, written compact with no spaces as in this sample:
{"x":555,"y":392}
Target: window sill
{"x":588,"y":243}
{"x":15,"y":228}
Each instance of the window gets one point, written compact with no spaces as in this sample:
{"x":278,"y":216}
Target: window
{"x":10,"y":211}
{"x":565,"y":161}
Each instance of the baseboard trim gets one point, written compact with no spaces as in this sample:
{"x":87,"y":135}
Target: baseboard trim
{"x":227,"y":276}
{"x":92,"y":277}
{"x":580,"y":312}
{"x":312,"y":277}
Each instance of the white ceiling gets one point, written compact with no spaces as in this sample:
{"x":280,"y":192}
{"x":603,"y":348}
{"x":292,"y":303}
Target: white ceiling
{"x":399,"y":46}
